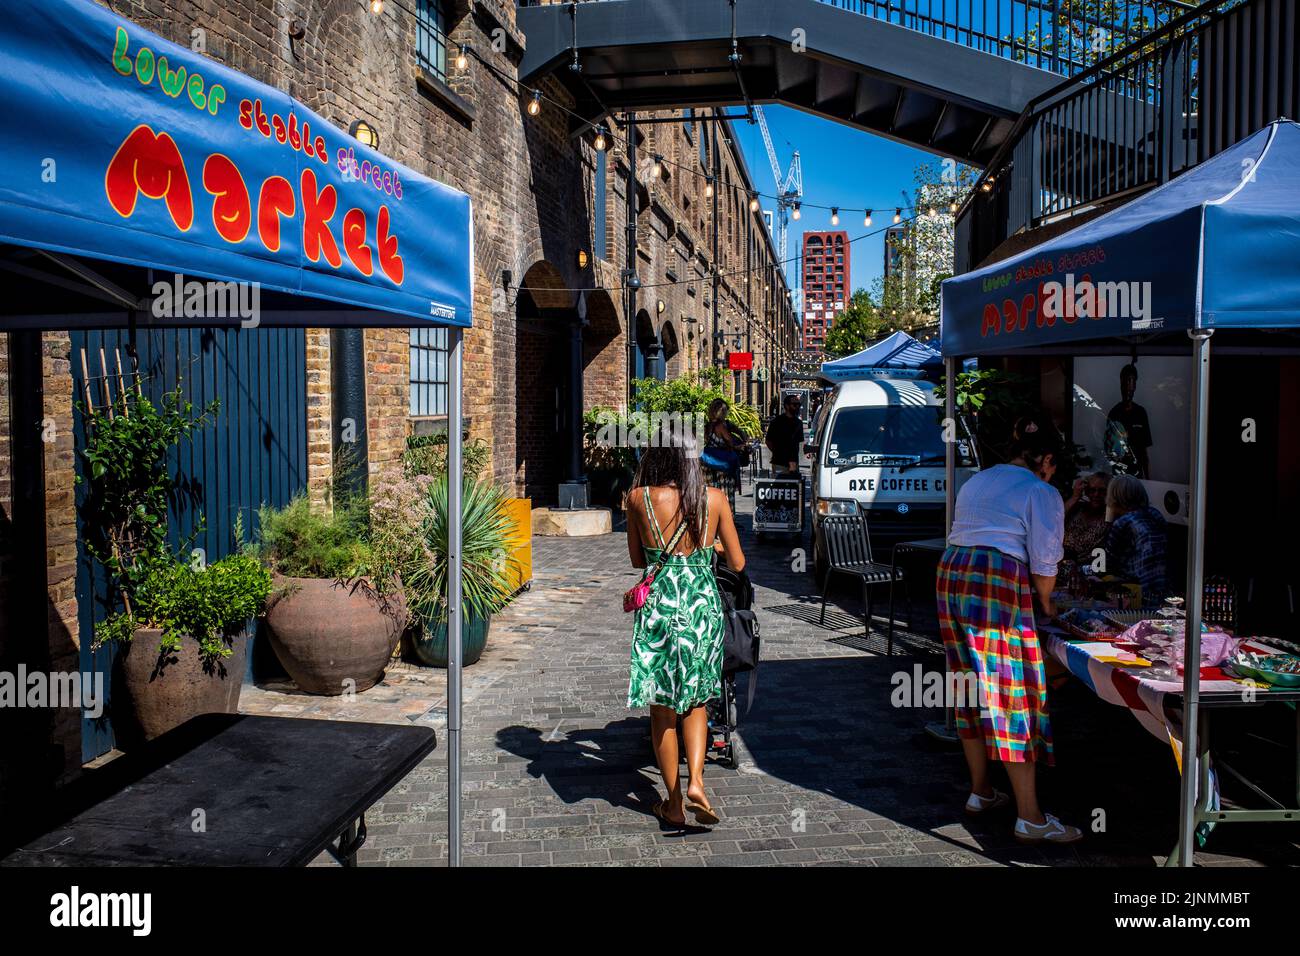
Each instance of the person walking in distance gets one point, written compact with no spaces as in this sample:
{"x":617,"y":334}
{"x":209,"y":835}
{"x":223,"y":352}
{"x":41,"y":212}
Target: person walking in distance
{"x":784,"y":436}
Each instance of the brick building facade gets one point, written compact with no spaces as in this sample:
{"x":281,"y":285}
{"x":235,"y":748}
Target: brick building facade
{"x":543,"y":196}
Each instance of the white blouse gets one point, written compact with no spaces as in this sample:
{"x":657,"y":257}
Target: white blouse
{"x":1009,"y":508}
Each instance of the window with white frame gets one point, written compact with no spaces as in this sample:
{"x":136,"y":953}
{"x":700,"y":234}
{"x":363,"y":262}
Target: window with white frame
{"x":428,"y":372}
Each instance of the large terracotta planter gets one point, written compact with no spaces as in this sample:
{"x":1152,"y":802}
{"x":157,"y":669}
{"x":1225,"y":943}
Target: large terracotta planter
{"x":429,"y":641}
{"x":155,"y":692}
{"x":333,"y":637}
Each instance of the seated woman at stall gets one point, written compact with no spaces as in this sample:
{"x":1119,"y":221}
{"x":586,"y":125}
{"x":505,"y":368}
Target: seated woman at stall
{"x":1135,"y":543}
{"x":1085,"y":517}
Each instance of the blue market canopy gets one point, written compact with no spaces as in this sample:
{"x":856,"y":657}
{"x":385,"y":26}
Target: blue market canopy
{"x":134,"y":168}
{"x":1215,"y":248}
{"x":899,"y":353}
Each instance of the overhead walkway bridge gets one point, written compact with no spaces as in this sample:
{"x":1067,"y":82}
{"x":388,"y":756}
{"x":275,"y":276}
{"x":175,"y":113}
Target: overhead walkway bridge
{"x":947,"y":76}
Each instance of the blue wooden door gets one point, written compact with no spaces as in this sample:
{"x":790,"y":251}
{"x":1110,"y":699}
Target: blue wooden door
{"x":254,"y":452}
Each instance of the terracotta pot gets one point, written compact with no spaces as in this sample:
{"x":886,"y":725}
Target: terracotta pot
{"x":156,"y":692}
{"x":429,"y":641}
{"x":332,"y":636}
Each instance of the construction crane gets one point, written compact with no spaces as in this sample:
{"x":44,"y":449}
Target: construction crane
{"x":789,"y":189}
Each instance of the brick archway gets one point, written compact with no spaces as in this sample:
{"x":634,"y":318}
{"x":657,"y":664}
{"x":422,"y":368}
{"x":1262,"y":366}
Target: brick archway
{"x":604,"y":355}
{"x":674,"y":359}
{"x":545,"y":316}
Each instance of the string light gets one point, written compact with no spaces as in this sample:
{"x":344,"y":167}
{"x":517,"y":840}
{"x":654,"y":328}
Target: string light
{"x":931,"y":212}
{"x":376,"y":7}
{"x":952,"y":207}
{"x":462,"y":58}
{"x":987,"y":185}
{"x":601,"y":143}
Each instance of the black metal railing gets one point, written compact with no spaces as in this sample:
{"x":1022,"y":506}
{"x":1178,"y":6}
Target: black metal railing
{"x":1139,"y":117}
{"x":1061,"y":36}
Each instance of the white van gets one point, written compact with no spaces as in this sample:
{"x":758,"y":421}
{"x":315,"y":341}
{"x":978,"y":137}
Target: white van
{"x":879,"y":451}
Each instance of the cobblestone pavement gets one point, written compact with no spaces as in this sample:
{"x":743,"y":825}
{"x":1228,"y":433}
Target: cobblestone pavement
{"x":558,"y":771}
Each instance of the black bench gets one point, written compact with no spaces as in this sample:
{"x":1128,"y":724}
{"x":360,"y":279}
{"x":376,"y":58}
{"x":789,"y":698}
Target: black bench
{"x":230,"y":790}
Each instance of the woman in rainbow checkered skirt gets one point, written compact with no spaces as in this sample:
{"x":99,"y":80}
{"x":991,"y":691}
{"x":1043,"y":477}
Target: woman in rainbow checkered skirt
{"x":1003,"y":549}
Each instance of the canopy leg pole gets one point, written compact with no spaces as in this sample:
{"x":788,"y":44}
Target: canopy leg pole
{"x":1195,"y":593}
{"x":455,"y":488}
{"x":949,"y":731}
{"x":950,"y":444}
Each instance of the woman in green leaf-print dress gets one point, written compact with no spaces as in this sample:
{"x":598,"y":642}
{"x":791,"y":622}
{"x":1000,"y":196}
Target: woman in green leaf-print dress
{"x":676,"y":662}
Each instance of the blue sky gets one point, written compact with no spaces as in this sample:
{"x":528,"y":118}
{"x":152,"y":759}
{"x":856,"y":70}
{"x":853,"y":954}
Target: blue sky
{"x":841,"y":166}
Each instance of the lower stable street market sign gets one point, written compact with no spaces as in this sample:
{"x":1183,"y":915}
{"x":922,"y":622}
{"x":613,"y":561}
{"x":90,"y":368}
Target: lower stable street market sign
{"x":120,"y":145}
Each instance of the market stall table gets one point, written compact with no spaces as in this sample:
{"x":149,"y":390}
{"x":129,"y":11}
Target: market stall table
{"x":274,"y":791}
{"x":1115,"y":673}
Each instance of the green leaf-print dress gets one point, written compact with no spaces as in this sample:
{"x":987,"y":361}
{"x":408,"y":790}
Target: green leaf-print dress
{"x":677,"y":634}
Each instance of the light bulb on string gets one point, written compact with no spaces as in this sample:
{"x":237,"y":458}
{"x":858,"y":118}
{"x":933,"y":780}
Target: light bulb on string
{"x":898,"y":215}
{"x":462,"y":59}
{"x":657,"y":167}
{"x":952,"y":207}
{"x":535,"y":104}
{"x":795,"y":213}
{"x":376,"y":7}
{"x":866,"y":220}
{"x":835,"y":216}
{"x":708,"y":188}
{"x":753,"y":202}
{"x":600,"y":139}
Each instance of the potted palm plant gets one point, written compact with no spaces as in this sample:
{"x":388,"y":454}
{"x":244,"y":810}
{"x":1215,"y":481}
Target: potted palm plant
{"x":485,"y":578}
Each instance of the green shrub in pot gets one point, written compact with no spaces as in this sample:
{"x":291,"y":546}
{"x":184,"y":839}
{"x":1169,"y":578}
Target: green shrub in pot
{"x":176,"y":619}
{"x":337,"y":610}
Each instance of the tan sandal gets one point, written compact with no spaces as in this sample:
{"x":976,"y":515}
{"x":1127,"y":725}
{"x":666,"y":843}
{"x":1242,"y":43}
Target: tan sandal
{"x":706,"y":816}
{"x":660,"y":810}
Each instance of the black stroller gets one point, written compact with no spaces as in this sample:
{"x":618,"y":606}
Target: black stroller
{"x":740,"y":654}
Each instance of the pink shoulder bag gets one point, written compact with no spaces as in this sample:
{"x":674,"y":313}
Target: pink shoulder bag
{"x":634,"y":598}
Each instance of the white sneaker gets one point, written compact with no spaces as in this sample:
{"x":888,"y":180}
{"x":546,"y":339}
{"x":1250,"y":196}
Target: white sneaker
{"x":977,"y":805}
{"x":1053,"y":831}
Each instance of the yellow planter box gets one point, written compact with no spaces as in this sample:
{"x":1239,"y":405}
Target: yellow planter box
{"x":519,"y":556}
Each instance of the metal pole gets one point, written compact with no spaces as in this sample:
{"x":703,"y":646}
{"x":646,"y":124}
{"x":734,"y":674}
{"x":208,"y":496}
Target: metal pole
{"x":455,"y":488}
{"x":1195,"y":593}
{"x":629,"y":266}
{"x":717,"y":191}
{"x":949,"y":447}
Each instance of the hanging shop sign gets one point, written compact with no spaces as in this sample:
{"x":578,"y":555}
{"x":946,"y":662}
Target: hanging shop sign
{"x":740,"y":361}
{"x":123,"y":146}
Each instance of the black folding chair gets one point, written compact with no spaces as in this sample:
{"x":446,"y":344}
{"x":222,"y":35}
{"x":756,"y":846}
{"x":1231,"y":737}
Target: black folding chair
{"x":848,"y":551}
